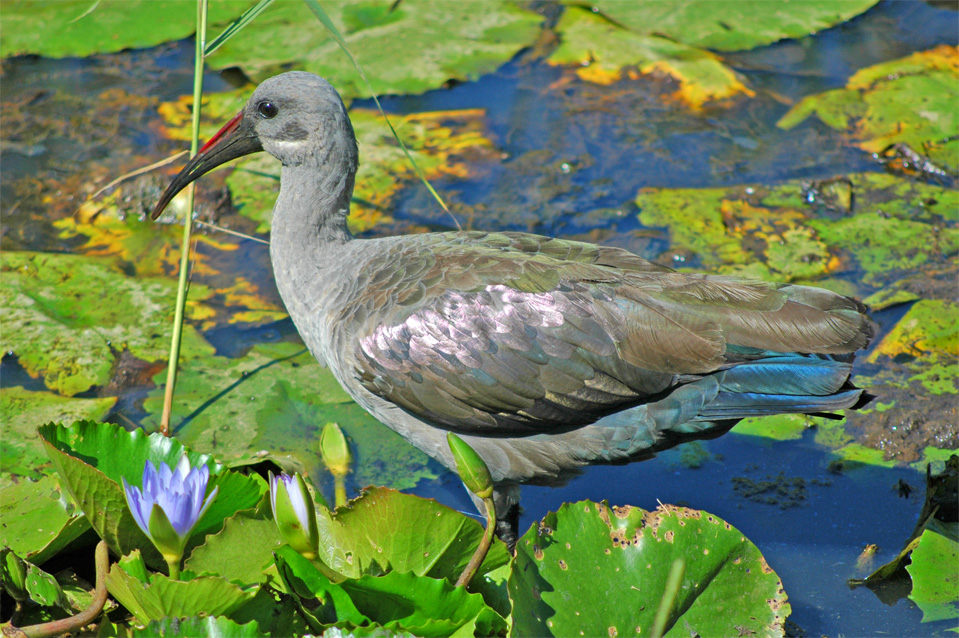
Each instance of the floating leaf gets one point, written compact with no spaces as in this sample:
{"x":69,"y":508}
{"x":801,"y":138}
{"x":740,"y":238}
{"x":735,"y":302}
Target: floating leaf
{"x":25,"y":581}
{"x":605,"y":51}
{"x":271,"y":404}
{"x":78,"y":28}
{"x":935,"y":577}
{"x":23,"y":411}
{"x":907,"y":101}
{"x":67,"y":317}
{"x":588,"y":556}
{"x":39,"y":519}
{"x":730,"y":26}
{"x":404,"y":48}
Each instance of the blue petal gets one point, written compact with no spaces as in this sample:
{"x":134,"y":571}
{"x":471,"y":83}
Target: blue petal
{"x":136,"y":504}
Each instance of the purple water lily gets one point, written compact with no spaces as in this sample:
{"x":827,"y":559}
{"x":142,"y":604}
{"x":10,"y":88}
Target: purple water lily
{"x":169,"y":505}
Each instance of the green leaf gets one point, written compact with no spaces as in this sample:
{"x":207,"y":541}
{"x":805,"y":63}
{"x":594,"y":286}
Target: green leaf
{"x":162,"y":597}
{"x":240,"y":552}
{"x":604,"y":51}
{"x":209,"y":626}
{"x":935,"y":577}
{"x":23,"y":411}
{"x":395,"y":601}
{"x":906,"y":101}
{"x":730,"y":26}
{"x":91,"y":459}
{"x":79,"y":28}
{"x":39,"y":519}
{"x":588,"y":557}
{"x":26,"y":581}
{"x":409,"y":47}
{"x":67,"y":317}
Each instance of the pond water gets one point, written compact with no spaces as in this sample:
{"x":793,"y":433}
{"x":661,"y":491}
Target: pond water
{"x":570,"y":162}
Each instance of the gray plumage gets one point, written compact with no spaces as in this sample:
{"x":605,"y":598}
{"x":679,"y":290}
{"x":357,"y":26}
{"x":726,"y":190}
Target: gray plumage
{"x":543,"y":354}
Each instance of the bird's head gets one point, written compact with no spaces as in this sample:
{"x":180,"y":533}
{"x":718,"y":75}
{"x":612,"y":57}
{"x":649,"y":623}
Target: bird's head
{"x":296,"y":117}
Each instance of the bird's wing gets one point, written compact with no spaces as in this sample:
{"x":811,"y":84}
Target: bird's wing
{"x":512,"y":333}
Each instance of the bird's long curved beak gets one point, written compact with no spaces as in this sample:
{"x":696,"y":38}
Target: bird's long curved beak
{"x":234,"y":140}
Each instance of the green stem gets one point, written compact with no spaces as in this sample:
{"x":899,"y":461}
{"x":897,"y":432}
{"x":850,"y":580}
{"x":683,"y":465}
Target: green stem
{"x":480,"y":554}
{"x":201,"y":12}
{"x":339,"y":490}
{"x":174,"y":566}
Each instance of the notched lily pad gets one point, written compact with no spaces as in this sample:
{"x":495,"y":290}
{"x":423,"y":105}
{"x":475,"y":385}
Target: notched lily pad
{"x":907,"y":101}
{"x":39,"y":518}
{"x":728,"y":589}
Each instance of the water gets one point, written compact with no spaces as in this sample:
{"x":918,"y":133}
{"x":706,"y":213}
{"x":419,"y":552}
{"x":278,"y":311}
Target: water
{"x":572,"y":162}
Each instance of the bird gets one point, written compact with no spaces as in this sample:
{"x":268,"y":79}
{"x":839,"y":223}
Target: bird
{"x":545,"y":355}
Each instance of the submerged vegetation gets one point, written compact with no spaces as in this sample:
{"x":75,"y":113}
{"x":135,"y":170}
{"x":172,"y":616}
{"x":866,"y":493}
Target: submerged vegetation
{"x":88,"y":305}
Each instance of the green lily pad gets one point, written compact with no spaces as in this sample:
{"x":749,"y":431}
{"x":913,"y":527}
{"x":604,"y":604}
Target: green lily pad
{"x":78,"y":28}
{"x":218,"y":555}
{"x":153,"y":597}
{"x":907,"y":101}
{"x":404,"y":48}
{"x":92,"y":458}
{"x":213,"y":626}
{"x":604,"y":51}
{"x":730,"y":26}
{"x":934,"y":572}
{"x":370,"y":537}
{"x":926,"y":342}
{"x":271,"y":404}
{"x":23,"y":411}
{"x":588,"y":556}
{"x":395,"y":601}
{"x":39,"y":519}
{"x":68,"y":316}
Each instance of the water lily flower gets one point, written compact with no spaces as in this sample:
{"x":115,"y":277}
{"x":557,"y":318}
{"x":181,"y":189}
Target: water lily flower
{"x":295,"y":513}
{"x":169,"y":505}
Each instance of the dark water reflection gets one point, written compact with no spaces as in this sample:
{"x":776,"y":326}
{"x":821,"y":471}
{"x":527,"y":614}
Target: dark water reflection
{"x":573,"y":159}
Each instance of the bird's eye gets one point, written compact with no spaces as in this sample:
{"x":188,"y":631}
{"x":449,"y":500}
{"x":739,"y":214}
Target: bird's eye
{"x":267,"y":109}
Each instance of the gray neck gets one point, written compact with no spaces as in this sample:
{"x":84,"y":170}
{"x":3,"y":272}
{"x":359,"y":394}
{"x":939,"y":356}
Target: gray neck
{"x":312,"y":207}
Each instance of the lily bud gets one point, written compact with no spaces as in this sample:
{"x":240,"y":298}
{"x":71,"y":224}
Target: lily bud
{"x":294,"y":513}
{"x":471,"y":468}
{"x":335,"y":450}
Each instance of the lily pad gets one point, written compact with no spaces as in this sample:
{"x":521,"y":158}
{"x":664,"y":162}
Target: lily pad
{"x":23,"y":411}
{"x":395,"y":601}
{"x":907,"y":101}
{"x":604,"y":51}
{"x":926,"y":342}
{"x":153,"y":597}
{"x":730,"y":26}
{"x":218,"y":555}
{"x":404,"y":48}
{"x":68,"y":316}
{"x":39,"y":518}
{"x":78,"y":28}
{"x":588,"y":556}
{"x":934,"y":572}
{"x":213,"y":626}
{"x":271,"y":404}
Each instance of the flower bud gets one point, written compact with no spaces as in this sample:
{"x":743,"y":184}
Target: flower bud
{"x":471,"y":468}
{"x":294,"y":513}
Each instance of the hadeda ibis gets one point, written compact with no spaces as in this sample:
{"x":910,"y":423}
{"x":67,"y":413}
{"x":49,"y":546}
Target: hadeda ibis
{"x":544,"y":354}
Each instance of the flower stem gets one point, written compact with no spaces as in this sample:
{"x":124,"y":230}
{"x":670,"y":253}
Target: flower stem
{"x":174,"y":566}
{"x":483,"y":548}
